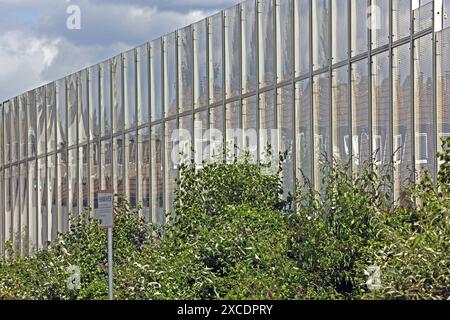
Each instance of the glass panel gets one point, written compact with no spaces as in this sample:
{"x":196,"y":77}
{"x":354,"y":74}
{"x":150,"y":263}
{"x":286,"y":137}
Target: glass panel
{"x":143,"y":84}
{"x":285,"y":117}
{"x":250,"y":126}
{"x":185,"y":68}
{"x":83,"y":112}
{"x":341,"y":114}
{"x":321,"y":109}
{"x":446,"y":13}
{"x":23,"y":127}
{"x":379,"y":22}
{"x":106,"y":161}
{"x":360,"y":113}
{"x":118,"y":170}
{"x":116,"y":88}
{"x":14,"y":110}
{"x":233,"y":130}
{"x":51,"y":116}
{"x":63,"y":220}
{"x":8,"y":205}
{"x":266,"y":43}
{"x":131,"y":168}
{"x":233,"y":51}
{"x":249,"y":46}
{"x":94,"y":102}
{"x":105,"y":98}
{"x":42,"y":204}
{"x":170,"y":75}
{"x":171,"y":162}
{"x":72,"y":107}
{"x":156,"y":80}
{"x":157,"y":174}
{"x":94,"y":165}
{"x":130,"y":88}
{"x":15,"y":188}
{"x":7,"y":131}
{"x":401,"y":86}
{"x":2,"y":192}
{"x":200,"y":65}
{"x":185,"y":140}
{"x":284,"y":40}
{"x":73,"y":183}
{"x":359,"y":13}
{"x":40,"y":109}
{"x":267,"y":125}
{"x":215,"y":58}
{"x":32,"y":203}
{"x":381,"y":109}
{"x":339,"y":30}
{"x":61,"y":115}
{"x":31,"y":114}
{"x":320,"y":30}
{"x":201,"y":137}
{"x":2,"y":143}
{"x":443,"y":85}
{"x":401,"y":10}
{"x":216,"y":137}
{"x":24,"y":209}
{"x":302,"y":36}
{"x":83,"y":162}
{"x":52,"y":217}
{"x":423,"y":17}
{"x":423,"y":104}
{"x":144,"y":172}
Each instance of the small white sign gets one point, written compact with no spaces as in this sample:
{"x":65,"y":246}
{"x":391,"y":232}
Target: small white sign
{"x":105,"y":209}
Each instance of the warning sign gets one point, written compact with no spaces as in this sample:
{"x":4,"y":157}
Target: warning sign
{"x":105,"y":210}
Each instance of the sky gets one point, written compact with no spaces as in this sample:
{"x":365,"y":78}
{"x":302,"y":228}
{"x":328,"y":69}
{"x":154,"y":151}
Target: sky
{"x":37,"y":47}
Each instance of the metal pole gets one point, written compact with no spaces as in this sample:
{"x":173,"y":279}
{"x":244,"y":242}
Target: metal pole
{"x":110,"y":264}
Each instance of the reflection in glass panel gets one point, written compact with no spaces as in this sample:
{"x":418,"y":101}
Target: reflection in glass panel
{"x":94,"y":102}
{"x":15,"y":192}
{"x":284,"y":40}
{"x":185,"y":76}
{"x":359,"y":11}
{"x":83,"y":162}
{"x":129,"y":71}
{"x":401,"y":10}
{"x":157,"y":171}
{"x":201,"y":140}
{"x":233,"y":131}
{"x":200,"y":64}
{"x":105,"y":98}
{"x":446,"y":14}
{"x":131,"y":168}
{"x":52,"y":200}
{"x":72,"y":107}
{"x":170,"y":75}
{"x":402,"y":144}
{"x":443,"y":85}
{"x":8,"y":204}
{"x":379,"y":22}
{"x":42,"y":204}
{"x":83,"y":114}
{"x":233,"y":51}
{"x":339,"y":30}
{"x":94,"y":179}
{"x":40,"y":109}
{"x":31,"y":120}
{"x":156,"y":80}
{"x":320,"y":31}
{"x":266,"y":43}
{"x":285,"y":117}
{"x":51,"y":116}
{"x":360,"y":113}
{"x":321,"y":109}
{"x":143,"y":83}
{"x":423,"y":16}
{"x":249,"y":46}
{"x":2,"y":221}
{"x":116,"y":88}
{"x":61,"y":114}
{"x":171,"y":140}
{"x":267,"y":134}
{"x":14,"y":111}
{"x":23,"y":192}
{"x":144,"y":172}
{"x":106,"y":161}
{"x":72,"y":179}
{"x":118,"y":169}
{"x":341,"y":114}
{"x":381,"y":109}
{"x":302,"y":36}
{"x":215,"y":152}
{"x":63,"y":219}
{"x":32,"y":204}
{"x":7,"y":131}
{"x":185,"y":139}
{"x":23,"y":127}
{"x":250,"y":126}
{"x":2,"y":143}
{"x":215,"y":58}
{"x":423,"y":104}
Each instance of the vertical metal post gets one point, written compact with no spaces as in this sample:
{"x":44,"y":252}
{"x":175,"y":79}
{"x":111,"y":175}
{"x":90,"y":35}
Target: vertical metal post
{"x":110,"y":264}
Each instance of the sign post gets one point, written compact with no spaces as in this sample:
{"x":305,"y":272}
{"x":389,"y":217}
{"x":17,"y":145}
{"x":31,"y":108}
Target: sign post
{"x":105,"y":212}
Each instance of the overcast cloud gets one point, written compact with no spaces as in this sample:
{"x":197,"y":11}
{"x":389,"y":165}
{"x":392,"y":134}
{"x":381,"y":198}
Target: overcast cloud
{"x":36,"y":47}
